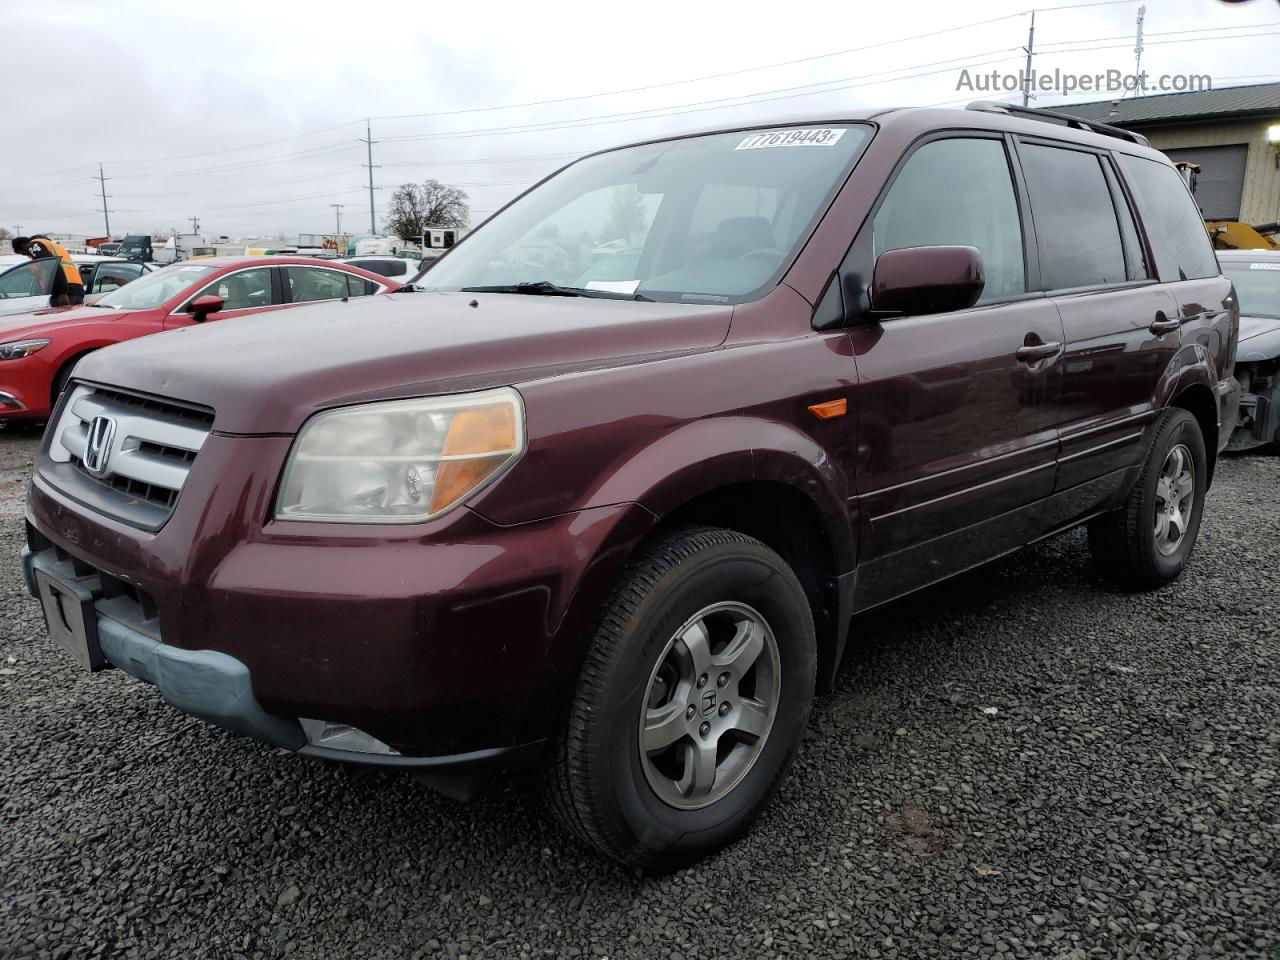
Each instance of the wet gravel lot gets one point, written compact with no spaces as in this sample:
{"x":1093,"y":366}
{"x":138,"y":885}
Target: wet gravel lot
{"x":1025,"y":763}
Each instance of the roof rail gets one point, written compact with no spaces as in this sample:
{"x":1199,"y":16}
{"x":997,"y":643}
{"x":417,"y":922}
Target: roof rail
{"x":1036,"y":113}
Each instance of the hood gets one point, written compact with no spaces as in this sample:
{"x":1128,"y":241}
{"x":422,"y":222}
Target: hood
{"x":17,"y":325}
{"x":268,"y":373}
{"x":1251,"y":327}
{"x":1259,"y":339}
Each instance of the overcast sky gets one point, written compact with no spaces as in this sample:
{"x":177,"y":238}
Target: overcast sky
{"x":181,"y":103}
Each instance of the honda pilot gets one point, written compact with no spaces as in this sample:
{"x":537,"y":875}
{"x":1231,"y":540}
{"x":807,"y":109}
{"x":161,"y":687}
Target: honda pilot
{"x":605,"y":493}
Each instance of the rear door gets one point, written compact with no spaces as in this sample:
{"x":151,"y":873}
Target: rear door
{"x":1185,"y":259}
{"x":307,"y":284}
{"x":109,"y":276}
{"x":957,"y":412}
{"x":1121,"y":325}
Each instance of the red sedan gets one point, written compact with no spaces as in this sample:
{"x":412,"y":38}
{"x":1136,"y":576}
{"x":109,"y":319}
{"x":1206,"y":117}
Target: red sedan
{"x":38,"y":350}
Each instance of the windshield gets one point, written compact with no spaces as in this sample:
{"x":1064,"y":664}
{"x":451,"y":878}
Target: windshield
{"x":1257,"y":286}
{"x":709,"y":219}
{"x":154,"y":289}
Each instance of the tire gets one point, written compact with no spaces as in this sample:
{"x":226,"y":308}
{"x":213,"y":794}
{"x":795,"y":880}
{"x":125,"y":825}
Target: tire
{"x":1128,"y":545}
{"x":60,"y":381}
{"x":626,"y":801}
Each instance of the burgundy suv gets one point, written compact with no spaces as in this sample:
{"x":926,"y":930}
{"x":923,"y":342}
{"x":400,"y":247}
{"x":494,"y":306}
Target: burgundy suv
{"x":606,"y":491}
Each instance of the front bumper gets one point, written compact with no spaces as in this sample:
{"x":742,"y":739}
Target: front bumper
{"x":26,"y":385}
{"x":449,"y":641}
{"x":217,"y":688}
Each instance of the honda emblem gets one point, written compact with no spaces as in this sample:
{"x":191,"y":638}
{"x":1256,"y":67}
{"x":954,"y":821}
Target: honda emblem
{"x":97,"y":446}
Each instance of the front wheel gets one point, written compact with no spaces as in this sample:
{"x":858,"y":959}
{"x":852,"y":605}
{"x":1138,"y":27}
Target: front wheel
{"x":691,"y":704}
{"x":1147,"y":543}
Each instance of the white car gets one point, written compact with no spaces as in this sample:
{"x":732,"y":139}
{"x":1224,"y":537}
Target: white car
{"x":399,"y":269}
{"x":26,"y":284}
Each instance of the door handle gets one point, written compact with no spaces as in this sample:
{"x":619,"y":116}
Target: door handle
{"x":1163,"y":326}
{"x":1032,"y":352}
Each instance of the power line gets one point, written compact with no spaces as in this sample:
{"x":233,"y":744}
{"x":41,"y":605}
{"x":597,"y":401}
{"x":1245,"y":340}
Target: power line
{"x":314,"y":154}
{"x":1170,"y":33}
{"x":753,"y":69}
{"x":664,"y":84}
{"x":766,"y":96}
{"x":250,"y":146}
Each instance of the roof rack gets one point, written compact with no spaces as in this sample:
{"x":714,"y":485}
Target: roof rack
{"x":1036,"y":113}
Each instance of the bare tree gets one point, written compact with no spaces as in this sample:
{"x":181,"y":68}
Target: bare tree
{"x":416,"y":207}
{"x":626,"y":214}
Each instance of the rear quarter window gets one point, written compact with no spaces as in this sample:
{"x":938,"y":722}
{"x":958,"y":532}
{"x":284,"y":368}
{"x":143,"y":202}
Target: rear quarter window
{"x":1172,"y":219}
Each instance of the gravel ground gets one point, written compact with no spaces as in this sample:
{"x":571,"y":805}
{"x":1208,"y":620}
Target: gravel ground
{"x":1024,"y":763}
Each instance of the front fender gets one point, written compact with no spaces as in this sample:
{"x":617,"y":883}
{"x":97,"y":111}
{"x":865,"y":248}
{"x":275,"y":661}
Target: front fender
{"x":706,"y":455}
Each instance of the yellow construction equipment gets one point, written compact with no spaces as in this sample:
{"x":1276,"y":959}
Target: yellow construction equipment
{"x":1232,"y":234}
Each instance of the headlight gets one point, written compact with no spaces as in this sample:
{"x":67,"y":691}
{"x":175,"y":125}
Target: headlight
{"x":17,"y":349}
{"x":402,"y":461}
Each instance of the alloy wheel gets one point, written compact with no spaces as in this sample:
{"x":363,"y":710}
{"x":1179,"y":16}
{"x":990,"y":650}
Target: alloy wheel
{"x":709,"y":705}
{"x":1175,"y":499}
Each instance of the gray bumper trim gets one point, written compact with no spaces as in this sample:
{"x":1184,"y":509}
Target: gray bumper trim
{"x":205,"y":683}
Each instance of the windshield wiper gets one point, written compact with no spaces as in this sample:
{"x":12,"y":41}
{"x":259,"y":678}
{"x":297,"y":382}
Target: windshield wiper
{"x":545,"y":288}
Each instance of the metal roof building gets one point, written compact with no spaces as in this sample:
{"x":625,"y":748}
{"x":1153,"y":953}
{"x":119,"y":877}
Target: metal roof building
{"x":1232,"y":132}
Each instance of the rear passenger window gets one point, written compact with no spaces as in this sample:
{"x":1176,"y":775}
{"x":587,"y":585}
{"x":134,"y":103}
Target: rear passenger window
{"x":308,"y":284}
{"x":1178,"y":237}
{"x":957,"y":191}
{"x":1076,"y":226}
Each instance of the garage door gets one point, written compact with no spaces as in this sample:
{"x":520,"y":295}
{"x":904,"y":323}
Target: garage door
{"x":1221,"y":179}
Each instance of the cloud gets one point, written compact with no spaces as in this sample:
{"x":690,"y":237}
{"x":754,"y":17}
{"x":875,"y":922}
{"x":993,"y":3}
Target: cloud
{"x":143,"y":88}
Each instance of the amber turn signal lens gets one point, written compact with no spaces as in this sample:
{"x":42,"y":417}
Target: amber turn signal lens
{"x":830,"y":409}
{"x":473,"y":434}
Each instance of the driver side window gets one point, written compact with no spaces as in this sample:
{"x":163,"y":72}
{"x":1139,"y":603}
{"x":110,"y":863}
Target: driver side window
{"x":958,"y":191}
{"x":241,"y":290}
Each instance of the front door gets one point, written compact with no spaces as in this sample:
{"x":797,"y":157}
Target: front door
{"x":957,"y":429}
{"x":251,"y":290}
{"x":27,"y":286}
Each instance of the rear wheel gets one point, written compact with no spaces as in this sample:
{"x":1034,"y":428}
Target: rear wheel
{"x":691,"y":703}
{"x":1148,"y":542}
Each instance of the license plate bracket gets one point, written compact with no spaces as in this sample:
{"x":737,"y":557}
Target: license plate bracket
{"x":70,"y":617}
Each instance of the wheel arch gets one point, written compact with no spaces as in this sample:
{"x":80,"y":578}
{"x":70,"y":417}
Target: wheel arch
{"x":1190,"y":384}
{"x":790,"y":523}
{"x":68,"y":364}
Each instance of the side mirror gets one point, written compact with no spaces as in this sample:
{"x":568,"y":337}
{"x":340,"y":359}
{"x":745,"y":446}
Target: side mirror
{"x":919,"y":280}
{"x":201,"y":307}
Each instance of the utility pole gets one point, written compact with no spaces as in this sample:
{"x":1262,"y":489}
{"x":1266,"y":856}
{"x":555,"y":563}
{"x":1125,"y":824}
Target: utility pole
{"x":195,"y":224}
{"x":102,"y":183}
{"x":368,"y":141}
{"x":1030,"y":48}
{"x":337,"y":209}
{"x":1137,"y":53}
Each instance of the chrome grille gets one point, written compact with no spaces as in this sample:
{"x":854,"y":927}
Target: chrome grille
{"x":146,"y":458}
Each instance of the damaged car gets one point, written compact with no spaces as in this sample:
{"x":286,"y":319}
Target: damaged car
{"x":1256,"y":275}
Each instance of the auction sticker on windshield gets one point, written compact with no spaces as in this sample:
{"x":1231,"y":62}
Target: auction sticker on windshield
{"x":811,"y":137}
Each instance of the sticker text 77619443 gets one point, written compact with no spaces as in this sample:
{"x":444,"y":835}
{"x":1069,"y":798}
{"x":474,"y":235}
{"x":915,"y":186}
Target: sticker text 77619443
{"x":809,"y":137}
